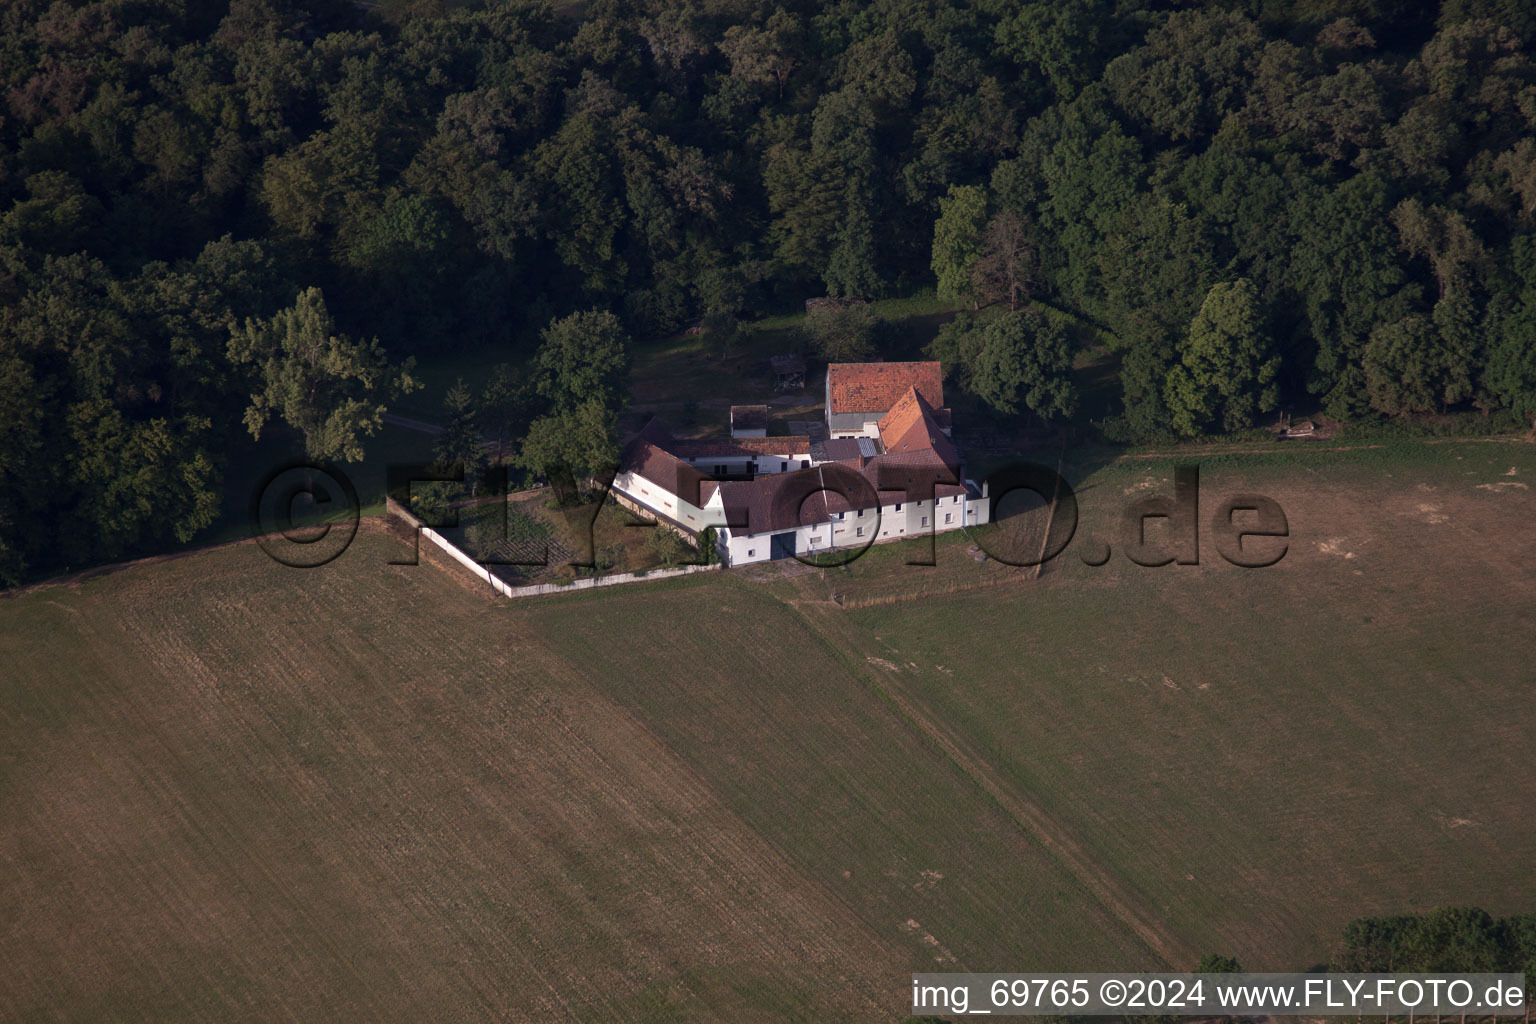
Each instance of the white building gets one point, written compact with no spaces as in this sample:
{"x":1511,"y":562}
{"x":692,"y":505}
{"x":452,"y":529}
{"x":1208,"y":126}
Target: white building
{"x":897,"y":475}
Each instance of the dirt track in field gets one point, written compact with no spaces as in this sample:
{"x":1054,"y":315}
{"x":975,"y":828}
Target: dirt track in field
{"x":1122,"y":904}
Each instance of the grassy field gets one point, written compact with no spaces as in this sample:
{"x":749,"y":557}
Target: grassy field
{"x":1260,"y":755}
{"x":239,"y":791}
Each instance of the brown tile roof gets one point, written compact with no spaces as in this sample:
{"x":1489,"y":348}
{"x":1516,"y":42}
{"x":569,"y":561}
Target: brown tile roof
{"x":844,"y":449}
{"x":646,"y":457}
{"x":913,"y":471}
{"x":749,"y":417}
{"x":753,"y":506}
{"x":875,"y":387}
{"x":772,"y":503}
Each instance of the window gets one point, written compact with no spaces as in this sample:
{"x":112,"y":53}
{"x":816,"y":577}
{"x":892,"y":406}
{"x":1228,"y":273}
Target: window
{"x":859,"y":532}
{"x":925,"y":520}
{"x":898,"y":506}
{"x":720,"y":470}
{"x":805,"y":463}
{"x":947,"y":517}
{"x":751,"y":552}
{"x":783,"y":466}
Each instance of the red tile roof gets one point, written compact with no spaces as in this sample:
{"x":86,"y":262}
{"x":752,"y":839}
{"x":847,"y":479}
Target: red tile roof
{"x":912,"y":425}
{"x":875,"y":387}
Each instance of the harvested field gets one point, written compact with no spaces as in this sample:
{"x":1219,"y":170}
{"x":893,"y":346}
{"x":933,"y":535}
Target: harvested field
{"x":240,"y":791}
{"x":235,"y":791}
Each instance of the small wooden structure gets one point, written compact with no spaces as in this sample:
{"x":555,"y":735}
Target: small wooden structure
{"x":788,"y":372}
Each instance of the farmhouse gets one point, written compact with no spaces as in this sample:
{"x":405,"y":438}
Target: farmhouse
{"x":858,"y":394}
{"x":898,"y":474}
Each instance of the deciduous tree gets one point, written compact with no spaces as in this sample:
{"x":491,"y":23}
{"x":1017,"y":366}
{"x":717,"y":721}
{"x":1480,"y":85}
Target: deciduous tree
{"x":583,"y":358}
{"x":1008,"y":264}
{"x":842,"y":334}
{"x":1225,"y":374}
{"x":331,"y":388}
{"x":957,"y":242}
{"x":1025,"y":360}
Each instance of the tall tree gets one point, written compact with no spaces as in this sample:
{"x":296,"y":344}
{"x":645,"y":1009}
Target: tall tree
{"x":461,"y":443}
{"x":851,"y":267}
{"x":1007,"y":266}
{"x":506,"y":405}
{"x":842,"y":334}
{"x":1025,"y":359}
{"x":1444,"y":238}
{"x":767,"y":54}
{"x":330,"y":387}
{"x":581,"y":439}
{"x":1511,"y":371}
{"x":957,"y":242}
{"x":582,"y":364}
{"x":584,"y":357}
{"x":1225,"y":374}
{"x":1404,"y":371}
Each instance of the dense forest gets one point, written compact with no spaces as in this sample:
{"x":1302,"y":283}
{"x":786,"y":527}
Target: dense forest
{"x":268,"y":208}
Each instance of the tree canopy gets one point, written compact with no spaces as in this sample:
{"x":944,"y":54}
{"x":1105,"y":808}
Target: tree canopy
{"x":328,"y":386}
{"x":462,"y":177}
{"x":1016,"y":361}
{"x":1224,"y":375}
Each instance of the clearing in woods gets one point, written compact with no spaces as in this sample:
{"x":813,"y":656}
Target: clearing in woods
{"x":372,"y":792}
